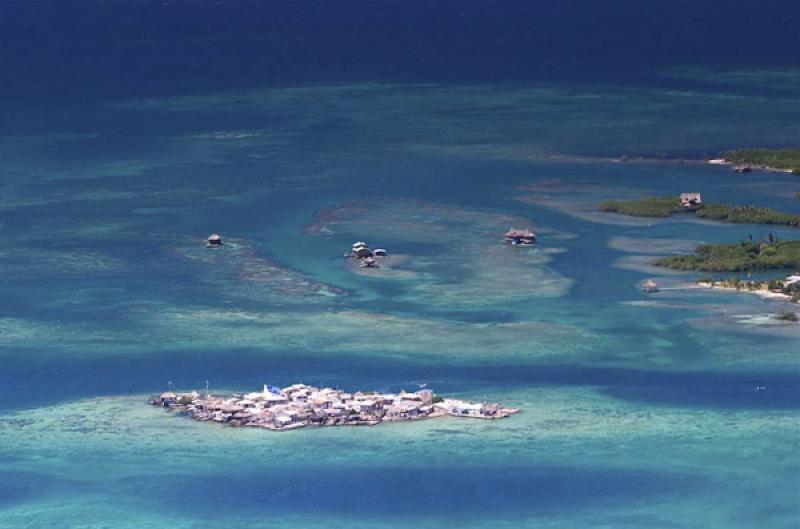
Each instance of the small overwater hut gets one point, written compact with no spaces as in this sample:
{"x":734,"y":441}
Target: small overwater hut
{"x":691,"y":200}
{"x":523,"y":237}
{"x":361,"y":250}
{"x":214,"y":241}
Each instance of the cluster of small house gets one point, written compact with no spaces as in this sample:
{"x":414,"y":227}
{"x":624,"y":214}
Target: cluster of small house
{"x":300,"y":405}
{"x":365,"y":255}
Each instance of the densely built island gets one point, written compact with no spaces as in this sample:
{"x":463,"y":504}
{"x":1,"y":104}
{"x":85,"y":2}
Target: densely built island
{"x":299,"y":405}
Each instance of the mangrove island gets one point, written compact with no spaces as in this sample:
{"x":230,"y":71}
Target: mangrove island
{"x":644,"y":207}
{"x":746,"y":256}
{"x":743,"y":160}
{"x":668,"y":206}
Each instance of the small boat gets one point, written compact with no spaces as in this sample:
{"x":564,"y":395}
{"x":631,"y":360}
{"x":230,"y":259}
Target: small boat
{"x":649,"y":286}
{"x":380,"y":252}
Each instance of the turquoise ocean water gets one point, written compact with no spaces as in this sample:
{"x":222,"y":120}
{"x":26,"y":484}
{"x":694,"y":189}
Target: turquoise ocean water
{"x":637,"y":410}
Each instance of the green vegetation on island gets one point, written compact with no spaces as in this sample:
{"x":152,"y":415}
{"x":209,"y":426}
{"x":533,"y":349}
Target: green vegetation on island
{"x":747,"y":215}
{"x":667,"y":206}
{"x":786,"y":315}
{"x":782,"y":159}
{"x":644,"y":207}
{"x":790,"y":289}
{"x":739,"y":257}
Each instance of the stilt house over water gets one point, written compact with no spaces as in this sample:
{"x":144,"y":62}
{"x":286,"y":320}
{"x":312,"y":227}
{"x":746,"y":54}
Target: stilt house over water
{"x":515,"y":236}
{"x":214,"y":240}
{"x":691,"y":200}
{"x":361,"y":250}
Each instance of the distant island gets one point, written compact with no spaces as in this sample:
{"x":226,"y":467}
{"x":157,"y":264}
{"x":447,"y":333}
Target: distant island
{"x":738,"y":257}
{"x":299,"y":405}
{"x":668,"y":206}
{"x":785,"y":160}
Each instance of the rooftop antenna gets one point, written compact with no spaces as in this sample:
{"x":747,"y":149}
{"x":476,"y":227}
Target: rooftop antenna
{"x":208,"y":393}
{"x":169,"y":385}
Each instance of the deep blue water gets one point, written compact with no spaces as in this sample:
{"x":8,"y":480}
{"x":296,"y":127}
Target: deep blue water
{"x":104,"y":49}
{"x":33,"y":381}
{"x":131,"y":130}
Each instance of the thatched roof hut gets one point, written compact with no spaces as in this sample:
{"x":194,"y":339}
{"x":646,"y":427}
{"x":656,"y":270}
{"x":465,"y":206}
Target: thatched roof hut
{"x":689,"y":200}
{"x":516,"y":236}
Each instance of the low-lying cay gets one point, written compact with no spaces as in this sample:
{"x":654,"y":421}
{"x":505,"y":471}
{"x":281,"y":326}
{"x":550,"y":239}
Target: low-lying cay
{"x":745,"y":160}
{"x":299,"y":405}
{"x":746,"y":256}
{"x":783,"y":288}
{"x":692,"y":203}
